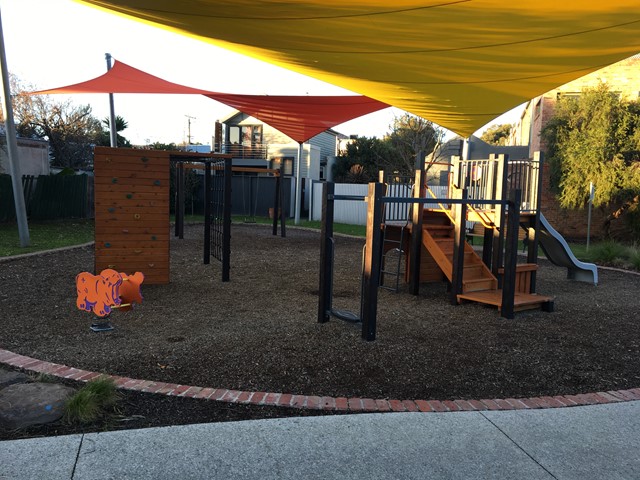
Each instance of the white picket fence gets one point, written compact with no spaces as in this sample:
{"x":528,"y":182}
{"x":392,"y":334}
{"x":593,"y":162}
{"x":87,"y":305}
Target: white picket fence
{"x":354,"y":212}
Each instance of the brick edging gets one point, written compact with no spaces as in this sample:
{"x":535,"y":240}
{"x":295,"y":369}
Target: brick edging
{"x":312,"y":402}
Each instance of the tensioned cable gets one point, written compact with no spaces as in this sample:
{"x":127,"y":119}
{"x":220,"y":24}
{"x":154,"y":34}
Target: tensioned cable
{"x":109,"y":6}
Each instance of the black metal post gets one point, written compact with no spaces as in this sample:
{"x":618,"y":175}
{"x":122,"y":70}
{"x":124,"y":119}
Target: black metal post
{"x":458,"y":249}
{"x":283,"y":228}
{"x":178,"y":206}
{"x":326,"y":253}
{"x":226,"y":219}
{"x":207,"y":213}
{"x":511,"y":259}
{"x":276,"y":206}
{"x":371,"y":274}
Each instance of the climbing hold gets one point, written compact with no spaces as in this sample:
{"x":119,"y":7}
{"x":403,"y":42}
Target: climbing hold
{"x":107,"y":245}
{"x":157,"y":183}
{"x":145,"y":159}
{"x":114,"y":180}
{"x":136,"y":216}
{"x":137,"y":250}
{"x":111,"y":210}
{"x":129,"y":195}
{"x":152,"y":265}
{"x":124,"y":230}
{"x":111,"y":266}
{"x":153,"y":237}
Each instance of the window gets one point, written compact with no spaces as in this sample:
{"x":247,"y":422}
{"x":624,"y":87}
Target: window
{"x":285,"y":162}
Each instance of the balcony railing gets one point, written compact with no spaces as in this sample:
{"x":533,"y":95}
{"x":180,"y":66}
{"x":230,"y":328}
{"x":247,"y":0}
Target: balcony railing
{"x":255,"y":150}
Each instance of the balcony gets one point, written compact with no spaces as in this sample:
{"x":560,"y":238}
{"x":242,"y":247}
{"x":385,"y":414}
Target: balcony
{"x":246,"y":151}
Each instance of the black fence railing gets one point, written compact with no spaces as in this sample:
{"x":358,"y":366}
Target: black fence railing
{"x":49,"y":197}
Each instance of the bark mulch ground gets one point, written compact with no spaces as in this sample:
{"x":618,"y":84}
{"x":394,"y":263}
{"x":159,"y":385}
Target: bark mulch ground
{"x":259,"y":332}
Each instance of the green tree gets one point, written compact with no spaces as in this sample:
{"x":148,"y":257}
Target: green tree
{"x":105,"y":136}
{"x":409,"y":135}
{"x":497,"y":134}
{"x":361,"y":161}
{"x":596,"y":138}
{"x":70,"y":129}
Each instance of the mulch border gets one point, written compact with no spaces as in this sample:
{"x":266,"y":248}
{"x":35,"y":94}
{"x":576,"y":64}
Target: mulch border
{"x":311,"y":402}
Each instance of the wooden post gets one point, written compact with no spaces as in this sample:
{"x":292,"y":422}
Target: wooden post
{"x":226,"y":219}
{"x":207,"y":213}
{"x":533,"y":237}
{"x":326,"y":253}
{"x":458,"y":249}
{"x":511,"y":255}
{"x":371,"y":273}
{"x":498,"y":232}
{"x":416,"y":230}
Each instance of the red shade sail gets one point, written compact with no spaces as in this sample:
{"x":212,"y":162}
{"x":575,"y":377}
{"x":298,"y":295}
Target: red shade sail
{"x":299,"y":117}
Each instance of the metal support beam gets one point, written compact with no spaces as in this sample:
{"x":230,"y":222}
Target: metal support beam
{"x":12,"y":149}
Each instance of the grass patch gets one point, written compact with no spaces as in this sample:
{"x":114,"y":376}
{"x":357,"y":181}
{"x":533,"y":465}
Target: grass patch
{"x":90,"y":402}
{"x":45,"y":235}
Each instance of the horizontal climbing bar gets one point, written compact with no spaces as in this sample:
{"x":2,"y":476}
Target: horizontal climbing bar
{"x":456,"y":201}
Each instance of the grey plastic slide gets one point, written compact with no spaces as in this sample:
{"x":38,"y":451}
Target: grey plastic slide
{"x":557,"y":250}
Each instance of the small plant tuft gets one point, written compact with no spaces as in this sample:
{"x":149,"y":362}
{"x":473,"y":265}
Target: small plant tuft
{"x":89,"y":403}
{"x":634,"y":257}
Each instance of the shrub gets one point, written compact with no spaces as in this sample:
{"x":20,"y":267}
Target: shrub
{"x":608,"y":252}
{"x":634,"y":257}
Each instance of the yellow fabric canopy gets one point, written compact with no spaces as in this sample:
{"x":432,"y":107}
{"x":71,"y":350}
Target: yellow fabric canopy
{"x":457,"y":63}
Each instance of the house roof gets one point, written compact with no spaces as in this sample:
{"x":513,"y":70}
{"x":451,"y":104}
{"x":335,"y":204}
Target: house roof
{"x":299,"y":117}
{"x":458,"y":63}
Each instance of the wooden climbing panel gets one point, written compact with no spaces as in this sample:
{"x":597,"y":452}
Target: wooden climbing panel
{"x":132,"y":212}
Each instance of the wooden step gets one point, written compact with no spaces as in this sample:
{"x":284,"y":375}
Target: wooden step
{"x":522,"y":301}
{"x":479,"y":284}
{"x":473,"y":271}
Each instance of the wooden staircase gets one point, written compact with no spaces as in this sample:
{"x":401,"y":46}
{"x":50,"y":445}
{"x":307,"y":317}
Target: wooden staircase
{"x":478,"y":282}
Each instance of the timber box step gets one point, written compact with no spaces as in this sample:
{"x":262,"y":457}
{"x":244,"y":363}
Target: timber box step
{"x":521,"y":301}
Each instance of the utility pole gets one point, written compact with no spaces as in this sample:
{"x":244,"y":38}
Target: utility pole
{"x":189,"y":118}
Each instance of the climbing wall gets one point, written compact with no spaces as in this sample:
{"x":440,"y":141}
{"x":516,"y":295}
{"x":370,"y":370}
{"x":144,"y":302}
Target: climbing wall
{"x":132,"y":212}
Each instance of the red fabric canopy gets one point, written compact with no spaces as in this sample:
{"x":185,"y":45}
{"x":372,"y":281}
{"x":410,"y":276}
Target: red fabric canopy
{"x":299,"y":117}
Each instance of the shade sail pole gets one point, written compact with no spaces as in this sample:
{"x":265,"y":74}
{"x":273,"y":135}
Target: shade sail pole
{"x":12,"y":148}
{"x":298,"y":185}
{"x":112,"y":112}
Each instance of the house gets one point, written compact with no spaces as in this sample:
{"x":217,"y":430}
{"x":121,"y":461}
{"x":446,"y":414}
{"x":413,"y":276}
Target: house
{"x":254,"y":143}
{"x":33,"y":154}
{"x":474,"y":149}
{"x":622,"y":78}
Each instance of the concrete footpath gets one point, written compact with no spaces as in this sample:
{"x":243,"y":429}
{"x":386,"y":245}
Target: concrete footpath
{"x":590,"y":442}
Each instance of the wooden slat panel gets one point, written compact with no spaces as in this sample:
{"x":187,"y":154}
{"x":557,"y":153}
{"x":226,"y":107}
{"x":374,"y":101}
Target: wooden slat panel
{"x":132,"y":212}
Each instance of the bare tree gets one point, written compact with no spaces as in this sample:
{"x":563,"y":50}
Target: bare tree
{"x":70,"y":129}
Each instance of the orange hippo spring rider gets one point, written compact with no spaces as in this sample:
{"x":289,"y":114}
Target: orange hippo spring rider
{"x":107,"y":291}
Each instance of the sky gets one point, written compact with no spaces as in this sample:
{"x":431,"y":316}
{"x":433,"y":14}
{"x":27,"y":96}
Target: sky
{"x":53,"y":43}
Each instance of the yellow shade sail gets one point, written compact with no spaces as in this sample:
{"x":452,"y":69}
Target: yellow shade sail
{"x":457,"y":63}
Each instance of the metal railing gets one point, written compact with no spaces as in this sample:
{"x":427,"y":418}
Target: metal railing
{"x":490,"y":179}
{"x":253,"y":150}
